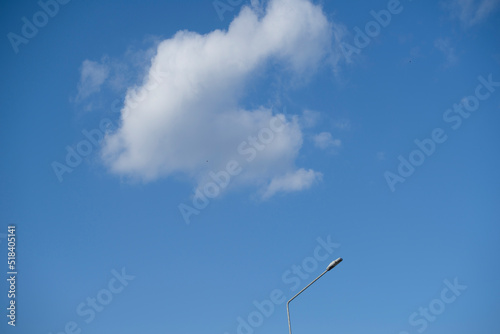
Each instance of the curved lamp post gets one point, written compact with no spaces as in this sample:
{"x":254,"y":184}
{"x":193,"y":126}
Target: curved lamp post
{"x":330,"y":267}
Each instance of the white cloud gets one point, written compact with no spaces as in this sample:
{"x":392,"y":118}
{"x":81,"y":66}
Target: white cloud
{"x":471,"y":12}
{"x":445,"y":47}
{"x":324,"y":140}
{"x":92,"y":76}
{"x":185,"y":118}
{"x":294,"y":181}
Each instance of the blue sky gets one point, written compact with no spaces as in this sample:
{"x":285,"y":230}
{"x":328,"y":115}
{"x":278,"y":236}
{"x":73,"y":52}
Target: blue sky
{"x":187,"y":166}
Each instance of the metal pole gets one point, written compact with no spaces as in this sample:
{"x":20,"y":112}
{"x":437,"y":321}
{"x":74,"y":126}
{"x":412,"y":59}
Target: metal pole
{"x":330,"y":267}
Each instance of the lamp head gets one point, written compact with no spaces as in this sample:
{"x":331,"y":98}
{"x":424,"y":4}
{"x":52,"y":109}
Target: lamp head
{"x":333,"y":264}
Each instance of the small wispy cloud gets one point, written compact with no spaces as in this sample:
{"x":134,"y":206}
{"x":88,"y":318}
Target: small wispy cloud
{"x":112,"y":77}
{"x":324,"y":140}
{"x":92,"y":77}
{"x":471,"y":12}
{"x":342,"y":124}
{"x":309,"y":118}
{"x":293,"y":181}
{"x":444,"y":45}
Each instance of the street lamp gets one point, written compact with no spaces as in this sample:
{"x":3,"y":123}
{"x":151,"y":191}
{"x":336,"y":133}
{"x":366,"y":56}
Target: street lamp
{"x":330,"y":267}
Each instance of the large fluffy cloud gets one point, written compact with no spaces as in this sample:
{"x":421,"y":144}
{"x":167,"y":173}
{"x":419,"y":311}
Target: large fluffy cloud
{"x":186,"y":118}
